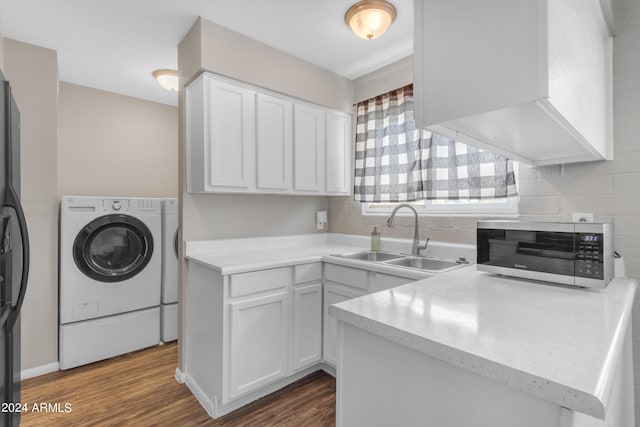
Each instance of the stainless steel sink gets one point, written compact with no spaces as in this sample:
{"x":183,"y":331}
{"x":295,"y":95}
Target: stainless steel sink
{"x":372,"y":256}
{"x":428,"y":264}
{"x":433,"y":265}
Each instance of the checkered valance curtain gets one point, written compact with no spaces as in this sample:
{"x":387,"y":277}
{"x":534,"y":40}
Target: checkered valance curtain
{"x":395,"y":162}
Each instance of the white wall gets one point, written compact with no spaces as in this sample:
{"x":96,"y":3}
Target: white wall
{"x":33,"y":74}
{"x":115,"y":145}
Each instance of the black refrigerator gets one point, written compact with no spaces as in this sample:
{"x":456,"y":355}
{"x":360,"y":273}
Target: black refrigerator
{"x":14,"y":256}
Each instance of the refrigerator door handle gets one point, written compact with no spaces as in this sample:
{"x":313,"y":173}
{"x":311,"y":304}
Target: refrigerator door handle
{"x":14,"y":202}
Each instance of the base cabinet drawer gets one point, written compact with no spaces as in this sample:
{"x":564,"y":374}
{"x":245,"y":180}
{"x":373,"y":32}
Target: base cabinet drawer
{"x":346,"y":275}
{"x":258,"y":343}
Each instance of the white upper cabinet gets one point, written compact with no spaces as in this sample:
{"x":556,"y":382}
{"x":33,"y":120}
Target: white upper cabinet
{"x":273,"y":142}
{"x":338,"y":152}
{"x":530,"y":79}
{"x":243,"y":139}
{"x":308,"y":149}
{"x":223,"y":115}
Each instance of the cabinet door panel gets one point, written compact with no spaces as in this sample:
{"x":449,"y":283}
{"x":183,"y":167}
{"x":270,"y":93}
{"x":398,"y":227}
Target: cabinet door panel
{"x":338,"y":152}
{"x":258,"y":343}
{"x":308,"y":148}
{"x":334,"y":294}
{"x":273,"y":142}
{"x":230,"y":135}
{"x":307,"y":325}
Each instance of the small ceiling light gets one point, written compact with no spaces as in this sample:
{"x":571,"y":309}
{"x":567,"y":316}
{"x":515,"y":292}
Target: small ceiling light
{"x":168,"y":79}
{"x":369,"y":19}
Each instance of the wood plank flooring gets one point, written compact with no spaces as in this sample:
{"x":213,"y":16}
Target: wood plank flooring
{"x":139,"y":389}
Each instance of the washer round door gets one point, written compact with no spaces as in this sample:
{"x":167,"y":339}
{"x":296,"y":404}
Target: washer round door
{"x":113,"y":248}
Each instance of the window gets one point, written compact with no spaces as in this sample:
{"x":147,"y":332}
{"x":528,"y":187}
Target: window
{"x":397,"y":163}
{"x":507,"y":207}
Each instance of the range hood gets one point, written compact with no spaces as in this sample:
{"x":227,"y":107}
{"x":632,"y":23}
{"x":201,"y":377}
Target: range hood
{"x":529,"y":79}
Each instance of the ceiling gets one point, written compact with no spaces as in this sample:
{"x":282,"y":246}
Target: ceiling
{"x":114,"y":45}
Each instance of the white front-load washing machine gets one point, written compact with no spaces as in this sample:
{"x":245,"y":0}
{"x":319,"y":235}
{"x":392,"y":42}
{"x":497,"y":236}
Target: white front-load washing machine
{"x":169,"y":307}
{"x":110,"y":277}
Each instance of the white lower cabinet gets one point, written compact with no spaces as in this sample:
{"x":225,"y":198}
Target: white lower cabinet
{"x":258,"y":342}
{"x":307,"y":325}
{"x":333,"y":294}
{"x":249,"y":334}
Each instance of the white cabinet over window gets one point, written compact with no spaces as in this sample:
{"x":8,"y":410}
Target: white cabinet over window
{"x":529,"y":79}
{"x":245,"y":139}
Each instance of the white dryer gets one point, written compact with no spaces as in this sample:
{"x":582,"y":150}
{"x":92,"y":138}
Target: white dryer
{"x":110,"y":277}
{"x":169,"y":307}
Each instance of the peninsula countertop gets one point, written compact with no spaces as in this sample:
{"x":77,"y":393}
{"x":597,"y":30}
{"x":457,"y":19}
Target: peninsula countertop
{"x":232,"y":256}
{"x":557,"y":343}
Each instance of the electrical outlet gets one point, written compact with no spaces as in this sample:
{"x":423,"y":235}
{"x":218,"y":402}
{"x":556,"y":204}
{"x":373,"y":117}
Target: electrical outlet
{"x":582,"y":217}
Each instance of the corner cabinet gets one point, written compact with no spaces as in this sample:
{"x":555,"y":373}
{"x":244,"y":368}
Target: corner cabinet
{"x":244,"y":139}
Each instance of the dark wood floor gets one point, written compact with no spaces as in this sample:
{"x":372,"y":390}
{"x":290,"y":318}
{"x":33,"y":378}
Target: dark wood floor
{"x":139,"y":389}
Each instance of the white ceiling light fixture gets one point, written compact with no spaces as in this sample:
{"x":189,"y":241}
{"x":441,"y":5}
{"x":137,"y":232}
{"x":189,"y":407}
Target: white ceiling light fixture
{"x":168,"y":79}
{"x":369,"y":19}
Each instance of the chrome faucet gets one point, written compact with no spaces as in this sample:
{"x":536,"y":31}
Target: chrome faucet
{"x":415,"y":247}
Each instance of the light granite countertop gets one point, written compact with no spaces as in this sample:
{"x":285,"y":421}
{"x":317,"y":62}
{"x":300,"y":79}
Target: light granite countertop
{"x":232,"y":256}
{"x":554,"y":342}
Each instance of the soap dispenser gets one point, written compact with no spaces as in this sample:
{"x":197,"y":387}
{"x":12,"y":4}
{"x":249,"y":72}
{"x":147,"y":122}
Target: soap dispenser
{"x":375,"y":239}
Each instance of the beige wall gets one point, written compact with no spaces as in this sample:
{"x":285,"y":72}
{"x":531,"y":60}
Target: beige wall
{"x":234,"y":55}
{"x":83,"y":142}
{"x":115,"y":145}
{"x":1,"y":53}
{"x":385,"y":79}
{"x":33,"y":73}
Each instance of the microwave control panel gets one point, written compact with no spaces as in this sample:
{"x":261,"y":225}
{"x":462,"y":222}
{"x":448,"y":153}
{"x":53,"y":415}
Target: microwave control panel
{"x":589,"y":255}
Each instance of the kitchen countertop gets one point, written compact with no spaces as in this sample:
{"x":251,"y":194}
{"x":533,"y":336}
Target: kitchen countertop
{"x":234,"y":256}
{"x":244,"y":261}
{"x":242,"y":255}
{"x":554,"y":342}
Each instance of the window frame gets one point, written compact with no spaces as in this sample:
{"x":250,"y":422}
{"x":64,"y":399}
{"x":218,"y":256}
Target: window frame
{"x":427,"y":208}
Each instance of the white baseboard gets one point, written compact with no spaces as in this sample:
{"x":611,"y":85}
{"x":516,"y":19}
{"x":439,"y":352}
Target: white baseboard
{"x":179,"y":376}
{"x":25,"y":374}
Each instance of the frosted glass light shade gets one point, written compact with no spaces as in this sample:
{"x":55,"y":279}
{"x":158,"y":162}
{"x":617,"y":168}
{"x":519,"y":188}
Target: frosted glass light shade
{"x":369,"y":19}
{"x":168,"y":79}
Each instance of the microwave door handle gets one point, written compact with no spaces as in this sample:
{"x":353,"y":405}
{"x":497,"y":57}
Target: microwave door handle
{"x":550,"y":253}
{"x":14,"y":202}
